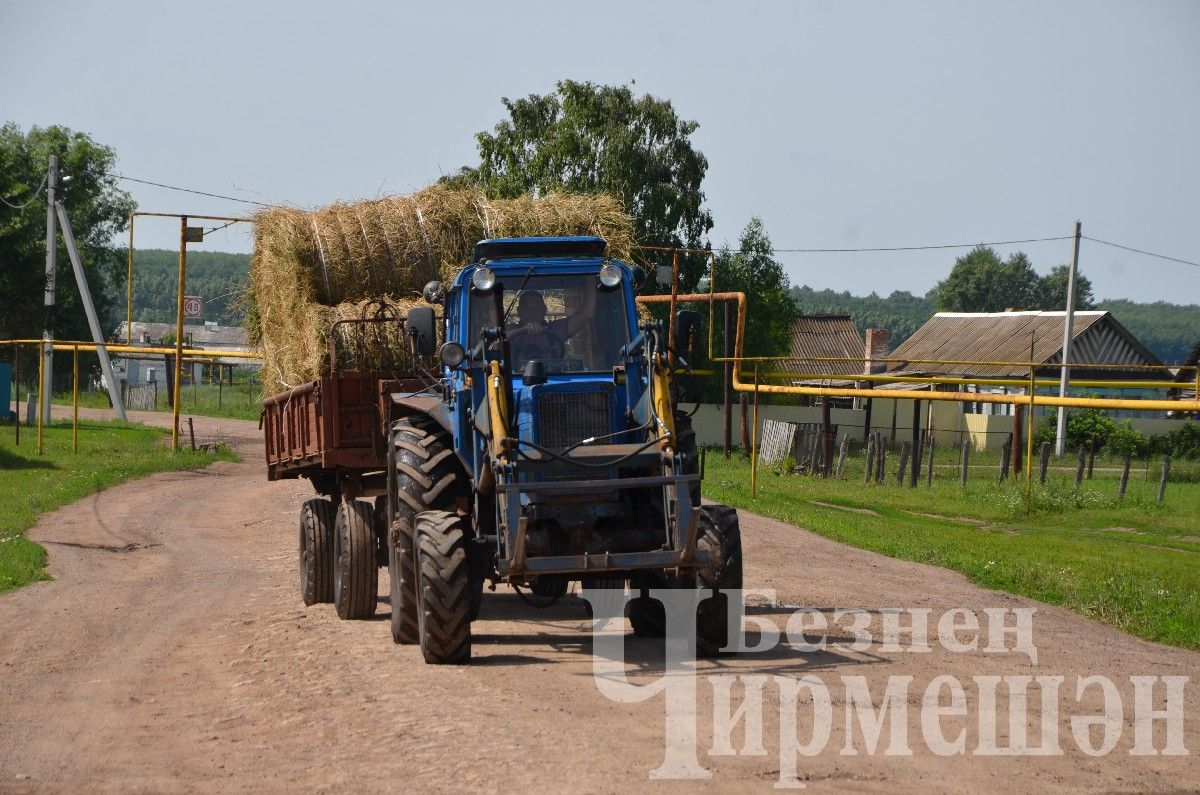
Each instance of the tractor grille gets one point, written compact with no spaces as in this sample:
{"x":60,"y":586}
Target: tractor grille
{"x":566,"y":418}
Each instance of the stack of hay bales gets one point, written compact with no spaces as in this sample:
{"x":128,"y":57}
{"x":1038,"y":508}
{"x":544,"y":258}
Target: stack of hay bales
{"x":312,"y":268}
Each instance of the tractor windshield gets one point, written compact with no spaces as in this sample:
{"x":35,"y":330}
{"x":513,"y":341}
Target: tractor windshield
{"x":566,"y":321}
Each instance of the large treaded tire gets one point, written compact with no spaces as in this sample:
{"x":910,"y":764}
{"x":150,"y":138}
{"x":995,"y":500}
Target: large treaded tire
{"x":356,"y":572}
{"x":685,"y":443}
{"x":444,"y":588}
{"x":425,"y":477}
{"x":720,"y":535}
{"x":317,"y":519}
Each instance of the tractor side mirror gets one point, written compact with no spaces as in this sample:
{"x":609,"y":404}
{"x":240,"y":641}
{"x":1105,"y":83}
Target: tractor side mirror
{"x":434,"y":292}
{"x":687,"y":326}
{"x":420,"y":327}
{"x":639,"y":277}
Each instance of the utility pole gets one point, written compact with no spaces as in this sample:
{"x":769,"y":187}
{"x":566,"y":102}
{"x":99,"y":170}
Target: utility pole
{"x":51,"y":272}
{"x":85,"y":294}
{"x":1060,"y":440}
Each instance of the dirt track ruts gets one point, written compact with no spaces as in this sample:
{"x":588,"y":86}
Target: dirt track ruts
{"x":172,"y":652}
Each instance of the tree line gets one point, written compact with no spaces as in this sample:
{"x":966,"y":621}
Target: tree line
{"x":580,"y":137}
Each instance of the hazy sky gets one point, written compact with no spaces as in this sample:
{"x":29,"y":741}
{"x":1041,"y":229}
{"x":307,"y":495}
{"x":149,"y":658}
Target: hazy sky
{"x":840,"y":124}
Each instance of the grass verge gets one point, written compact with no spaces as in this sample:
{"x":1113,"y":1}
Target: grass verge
{"x":1131,"y":563}
{"x":241,"y":401}
{"x":31,"y":485}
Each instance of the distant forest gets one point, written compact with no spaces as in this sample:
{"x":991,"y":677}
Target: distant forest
{"x":218,"y":277}
{"x":1169,"y":330}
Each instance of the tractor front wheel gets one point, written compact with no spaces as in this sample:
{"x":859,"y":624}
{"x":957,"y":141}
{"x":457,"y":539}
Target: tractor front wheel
{"x":443,"y":588}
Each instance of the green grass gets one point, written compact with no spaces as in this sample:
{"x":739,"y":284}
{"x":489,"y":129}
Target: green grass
{"x":241,"y":401}
{"x":1133,"y":564}
{"x":32,"y":484}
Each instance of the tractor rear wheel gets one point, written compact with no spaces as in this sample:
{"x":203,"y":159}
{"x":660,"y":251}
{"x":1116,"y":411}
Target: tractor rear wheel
{"x":316,"y":551}
{"x":356,"y":575}
{"x":425,"y":477}
{"x":443,"y":588}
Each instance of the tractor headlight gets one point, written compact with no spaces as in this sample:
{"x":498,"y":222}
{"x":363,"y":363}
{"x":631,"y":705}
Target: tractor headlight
{"x":484,"y":279}
{"x":610,"y":275}
{"x":452,"y":354}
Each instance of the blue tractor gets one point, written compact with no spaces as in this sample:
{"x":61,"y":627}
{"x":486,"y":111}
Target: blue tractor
{"x":544,"y":447}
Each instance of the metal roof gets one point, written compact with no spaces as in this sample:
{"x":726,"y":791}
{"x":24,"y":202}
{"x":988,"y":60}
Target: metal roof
{"x":1097,"y":338}
{"x":825,"y":337}
{"x":232,"y":337}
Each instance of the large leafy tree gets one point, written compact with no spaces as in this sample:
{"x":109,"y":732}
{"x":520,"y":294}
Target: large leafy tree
{"x":982,"y":282}
{"x":98,"y":210}
{"x":770,"y":311}
{"x":1053,"y":289}
{"x":592,"y":138}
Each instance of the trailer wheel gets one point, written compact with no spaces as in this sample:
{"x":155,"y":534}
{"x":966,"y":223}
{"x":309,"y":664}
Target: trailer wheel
{"x":444,"y":588}
{"x":424,"y":477}
{"x":720,"y":535}
{"x":316,"y":551}
{"x":356,"y":575}
{"x":685,"y":443}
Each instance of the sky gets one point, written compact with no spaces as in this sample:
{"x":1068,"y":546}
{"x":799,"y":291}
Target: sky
{"x":840,"y":124}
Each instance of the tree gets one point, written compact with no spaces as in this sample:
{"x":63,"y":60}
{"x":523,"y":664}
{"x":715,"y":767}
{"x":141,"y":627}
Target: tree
{"x":753,"y":270}
{"x":901,"y":313}
{"x":588,"y":138}
{"x":981,"y":282}
{"x":1053,"y":289}
{"x":98,"y":210}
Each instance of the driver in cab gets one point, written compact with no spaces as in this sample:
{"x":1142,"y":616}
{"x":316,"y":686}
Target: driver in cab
{"x":533,"y":337}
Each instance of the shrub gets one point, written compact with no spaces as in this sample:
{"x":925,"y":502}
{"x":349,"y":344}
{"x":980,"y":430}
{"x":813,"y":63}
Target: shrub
{"x":1083,"y":425}
{"x":1125,"y":440}
{"x":1181,"y":443}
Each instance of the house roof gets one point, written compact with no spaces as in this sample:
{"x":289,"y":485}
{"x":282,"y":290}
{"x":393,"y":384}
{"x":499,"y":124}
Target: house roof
{"x":1192,"y":360}
{"x":1097,"y":338}
{"x":232,"y":337}
{"x":825,"y":337}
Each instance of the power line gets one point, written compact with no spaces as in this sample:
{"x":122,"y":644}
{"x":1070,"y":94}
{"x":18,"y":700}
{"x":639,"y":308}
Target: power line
{"x":1140,"y":251}
{"x":190,"y":190}
{"x":32,"y":198}
{"x":918,"y":248}
{"x":863,"y":249}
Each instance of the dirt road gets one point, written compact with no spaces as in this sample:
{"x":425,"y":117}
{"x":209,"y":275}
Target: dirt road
{"x":172,"y":652}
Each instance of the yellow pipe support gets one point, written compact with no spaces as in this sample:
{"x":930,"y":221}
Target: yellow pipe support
{"x":974,"y":397}
{"x":194,"y":216}
{"x":41,"y":401}
{"x":179,"y":334}
{"x":949,"y":380}
{"x":754,"y":444}
{"x":66,"y":345}
{"x":1029,"y":440}
{"x":75,"y":403}
{"x":129,"y":287}
{"x":914,"y":394}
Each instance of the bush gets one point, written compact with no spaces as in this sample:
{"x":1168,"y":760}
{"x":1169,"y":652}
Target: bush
{"x":1083,"y":425}
{"x":1181,"y":443}
{"x":1125,"y":440}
